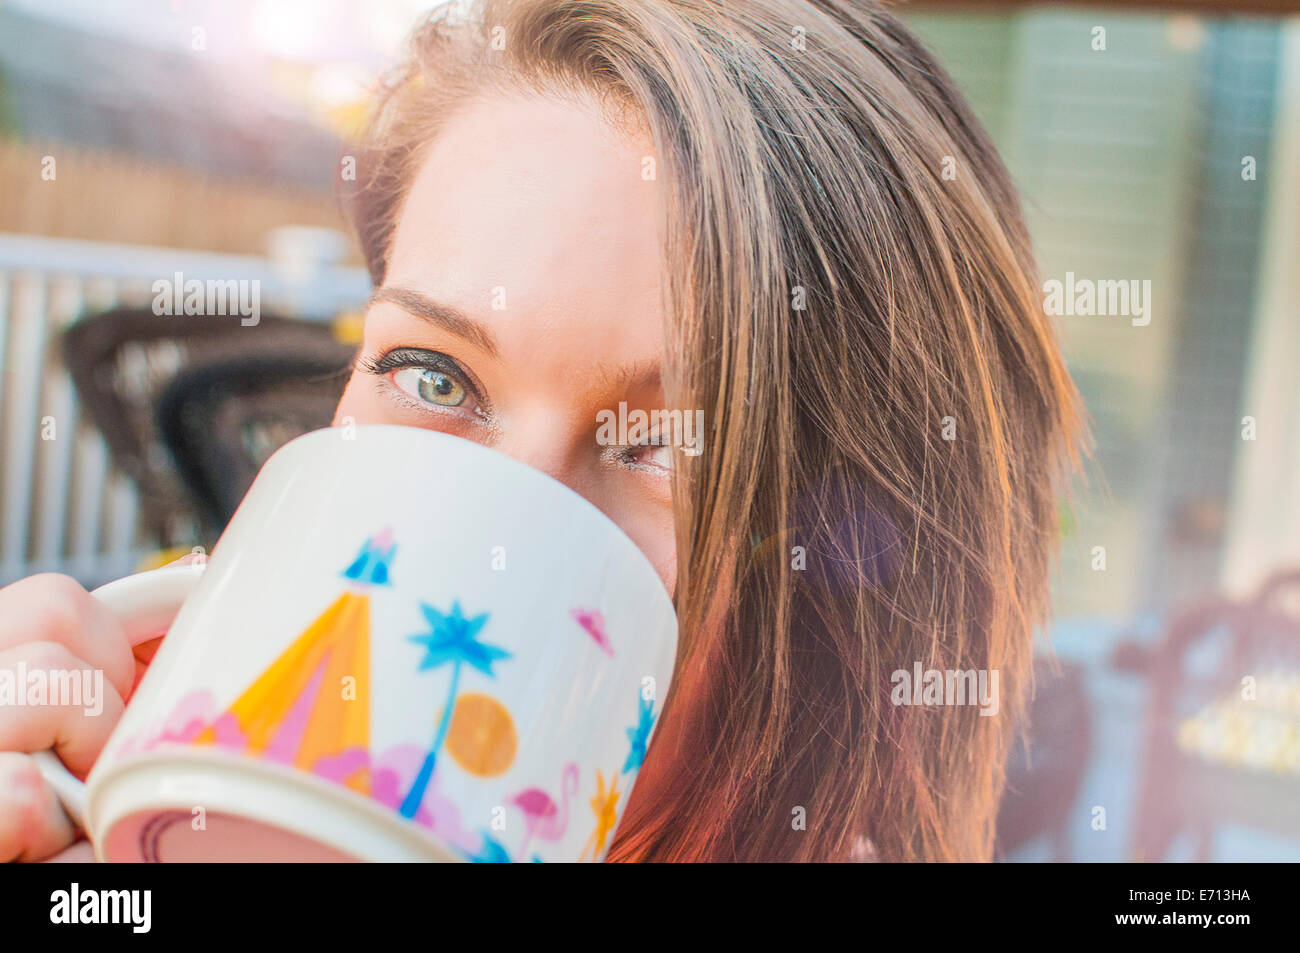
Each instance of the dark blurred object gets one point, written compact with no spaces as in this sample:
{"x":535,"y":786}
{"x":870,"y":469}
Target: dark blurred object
{"x":1130,"y":657}
{"x":1043,"y":784}
{"x":191,"y":406}
{"x":1206,"y":653}
{"x":223,"y":419}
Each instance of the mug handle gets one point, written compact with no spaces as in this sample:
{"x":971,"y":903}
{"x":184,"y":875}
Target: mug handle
{"x":145,"y":604}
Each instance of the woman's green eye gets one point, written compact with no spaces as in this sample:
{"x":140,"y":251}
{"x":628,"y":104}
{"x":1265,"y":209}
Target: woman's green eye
{"x":432,"y":386}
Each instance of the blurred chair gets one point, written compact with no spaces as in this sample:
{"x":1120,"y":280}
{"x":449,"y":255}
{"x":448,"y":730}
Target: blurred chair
{"x":222,"y":420}
{"x":1212,"y":755}
{"x":190,"y":406}
{"x":1044,"y":782}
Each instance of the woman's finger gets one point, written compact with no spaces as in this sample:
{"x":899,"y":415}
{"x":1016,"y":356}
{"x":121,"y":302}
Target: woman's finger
{"x":33,"y":825}
{"x":66,"y":704}
{"x":50,"y":607}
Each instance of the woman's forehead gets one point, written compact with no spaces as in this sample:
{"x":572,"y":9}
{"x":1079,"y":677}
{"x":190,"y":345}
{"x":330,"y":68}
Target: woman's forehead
{"x":532,"y":181}
{"x":533,"y":216}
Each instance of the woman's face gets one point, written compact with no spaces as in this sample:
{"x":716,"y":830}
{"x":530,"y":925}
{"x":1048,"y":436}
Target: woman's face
{"x":521,"y":299}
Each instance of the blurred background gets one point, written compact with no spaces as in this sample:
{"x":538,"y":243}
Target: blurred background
{"x":182,"y":139}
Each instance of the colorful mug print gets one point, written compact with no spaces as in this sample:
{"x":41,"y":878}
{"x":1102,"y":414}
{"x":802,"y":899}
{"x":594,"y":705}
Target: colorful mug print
{"x":475,"y":676}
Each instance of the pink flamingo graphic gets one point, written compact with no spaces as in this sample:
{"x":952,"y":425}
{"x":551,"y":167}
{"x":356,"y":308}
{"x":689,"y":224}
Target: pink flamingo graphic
{"x":594,"y":623}
{"x":547,"y":821}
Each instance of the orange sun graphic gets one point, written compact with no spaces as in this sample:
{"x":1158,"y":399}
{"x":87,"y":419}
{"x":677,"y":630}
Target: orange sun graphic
{"x":481,"y":736}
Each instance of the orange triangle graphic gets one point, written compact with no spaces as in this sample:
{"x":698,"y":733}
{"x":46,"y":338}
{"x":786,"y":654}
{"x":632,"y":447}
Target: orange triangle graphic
{"x":339,"y":716}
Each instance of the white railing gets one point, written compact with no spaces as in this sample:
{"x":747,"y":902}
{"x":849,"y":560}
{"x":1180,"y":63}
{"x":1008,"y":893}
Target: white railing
{"x":62,"y":506}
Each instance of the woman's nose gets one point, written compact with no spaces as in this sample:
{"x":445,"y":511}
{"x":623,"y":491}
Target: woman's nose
{"x":545,"y":442}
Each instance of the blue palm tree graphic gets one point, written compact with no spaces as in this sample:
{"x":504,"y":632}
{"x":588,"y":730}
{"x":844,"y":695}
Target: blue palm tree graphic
{"x":640,"y":734}
{"x":452,"y":638}
{"x":490,"y":853}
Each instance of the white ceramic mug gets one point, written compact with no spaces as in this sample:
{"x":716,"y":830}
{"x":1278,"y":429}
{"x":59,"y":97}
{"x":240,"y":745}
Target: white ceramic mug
{"x":405,"y":646}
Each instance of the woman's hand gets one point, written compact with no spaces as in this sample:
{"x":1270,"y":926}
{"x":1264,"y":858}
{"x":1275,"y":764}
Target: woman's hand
{"x":50,"y":624}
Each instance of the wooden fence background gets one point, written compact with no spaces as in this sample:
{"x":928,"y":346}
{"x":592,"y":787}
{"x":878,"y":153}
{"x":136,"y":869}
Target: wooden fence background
{"x":112,"y":198}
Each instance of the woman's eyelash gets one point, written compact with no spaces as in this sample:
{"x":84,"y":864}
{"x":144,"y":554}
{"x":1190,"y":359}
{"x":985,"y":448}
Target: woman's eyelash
{"x":630,"y":456}
{"x":401,"y":357}
{"x":406,"y":358}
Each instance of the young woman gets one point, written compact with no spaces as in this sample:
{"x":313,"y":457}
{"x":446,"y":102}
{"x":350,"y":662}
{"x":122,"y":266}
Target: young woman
{"x":779,"y":213}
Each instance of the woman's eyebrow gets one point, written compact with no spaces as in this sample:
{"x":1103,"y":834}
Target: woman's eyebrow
{"x":627,"y":378}
{"x":446,"y":317}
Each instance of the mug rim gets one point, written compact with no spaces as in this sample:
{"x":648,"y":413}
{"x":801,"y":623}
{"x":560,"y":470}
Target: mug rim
{"x":228,"y":783}
{"x":460,"y":444}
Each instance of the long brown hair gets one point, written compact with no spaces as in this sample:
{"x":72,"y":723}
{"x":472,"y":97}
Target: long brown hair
{"x":852,"y":301}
